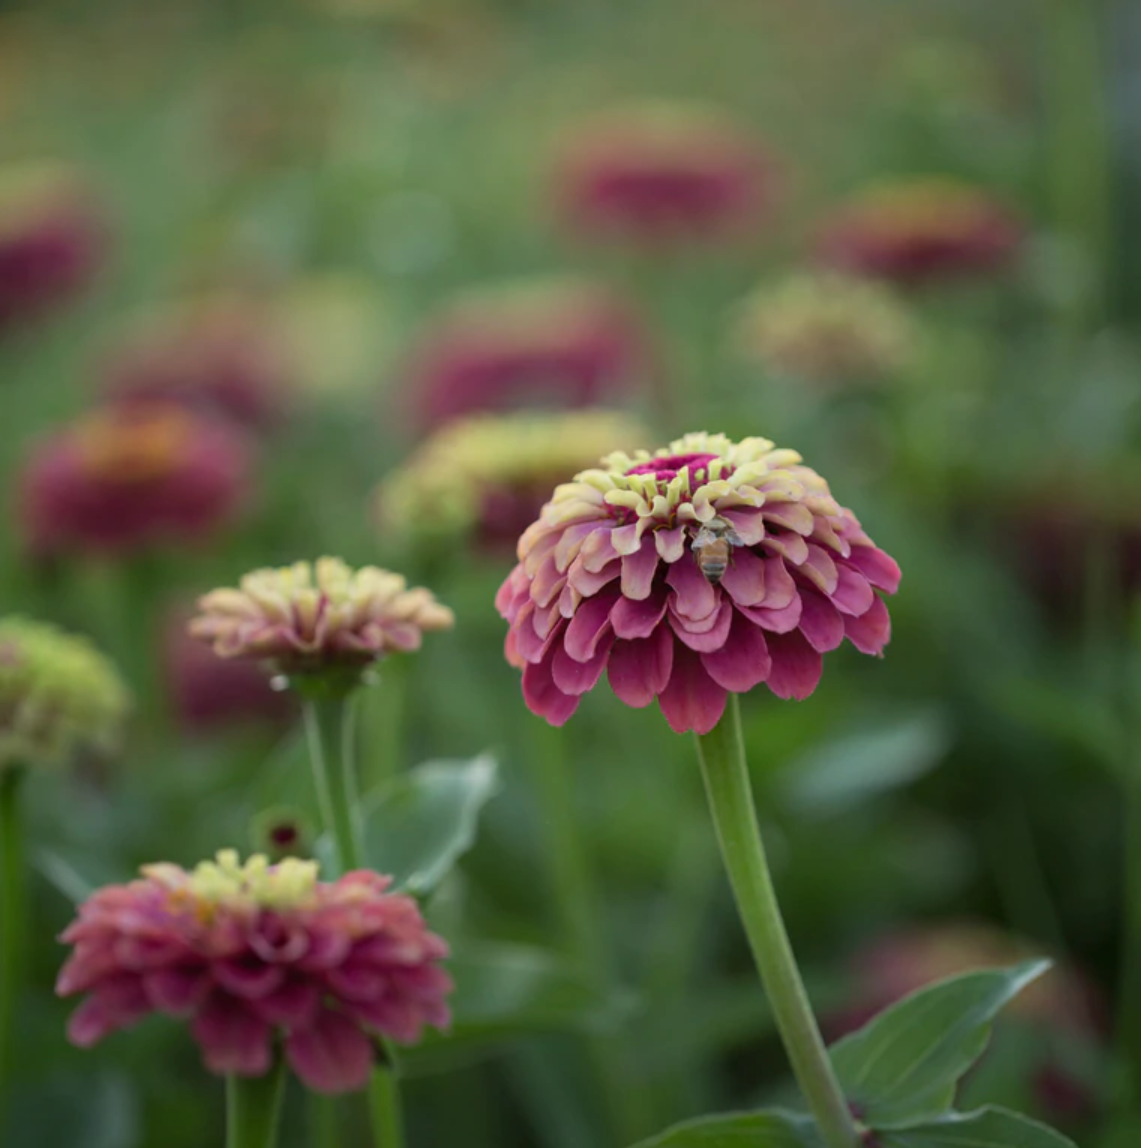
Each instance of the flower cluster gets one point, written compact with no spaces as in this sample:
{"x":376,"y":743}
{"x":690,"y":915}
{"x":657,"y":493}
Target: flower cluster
{"x":560,"y":342}
{"x":488,"y":476}
{"x":920,"y":231}
{"x":827,"y":329}
{"x":252,"y":951}
{"x":654,"y":173}
{"x":58,"y":695}
{"x":311,"y":617}
{"x":705,"y":567}
{"x":123,"y":478}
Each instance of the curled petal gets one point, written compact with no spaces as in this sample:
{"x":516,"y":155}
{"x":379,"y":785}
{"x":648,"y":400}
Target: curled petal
{"x":545,"y":698}
{"x":692,"y":700}
{"x":333,"y":1055}
{"x":871,"y":631}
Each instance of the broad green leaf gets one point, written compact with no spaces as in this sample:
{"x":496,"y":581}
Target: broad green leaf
{"x":419,"y":824}
{"x":904,"y":1065}
{"x":93,"y":1111}
{"x":504,"y":990}
{"x":739,"y":1130}
{"x":987,"y":1128}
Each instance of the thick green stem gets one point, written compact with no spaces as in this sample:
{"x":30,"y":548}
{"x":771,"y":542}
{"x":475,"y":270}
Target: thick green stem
{"x":253,"y":1108}
{"x":722,"y":756}
{"x":12,"y":915}
{"x":329,"y":727}
{"x":385,"y":1109}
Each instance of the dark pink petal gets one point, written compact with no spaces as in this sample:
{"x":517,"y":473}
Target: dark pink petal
{"x":793,"y":516}
{"x":177,"y":992}
{"x":700,"y":636}
{"x":395,"y":1016}
{"x":744,"y":577}
{"x":577,"y":677}
{"x":796,"y":666}
{"x":780,"y":621}
{"x":588,"y":582}
{"x":547,"y":583}
{"x":232,"y":1038}
{"x":545,"y":698}
{"x":820,"y":621}
{"x":528,"y":644}
{"x":749,"y":524}
{"x":293,"y":1005}
{"x":632,"y":619}
{"x":247,"y":978}
{"x":694,"y":596}
{"x":544,"y":621}
{"x":825,"y":532}
{"x":512,"y":584}
{"x":780,"y":586}
{"x":639,"y":670}
{"x":819,"y":568}
{"x":331,"y":1056}
{"x":327,"y":949}
{"x":852,"y":595}
{"x":568,"y":601}
{"x":588,"y":626}
{"x":880,"y":569}
{"x":638,"y":571}
{"x":692,"y":700}
{"x":113,"y":1004}
{"x":141,"y":952}
{"x":872,"y":631}
{"x":743,"y":661}
{"x":357,"y":981}
{"x":670,"y":543}
{"x":792,"y":546}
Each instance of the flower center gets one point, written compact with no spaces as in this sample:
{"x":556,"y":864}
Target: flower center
{"x":135,"y":447}
{"x":666,"y":469}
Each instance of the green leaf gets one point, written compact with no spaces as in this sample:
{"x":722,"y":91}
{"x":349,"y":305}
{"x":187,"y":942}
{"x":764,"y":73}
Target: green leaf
{"x":904,"y":1065}
{"x":93,"y":1111}
{"x":419,"y":824}
{"x":739,"y":1130}
{"x":987,"y":1128}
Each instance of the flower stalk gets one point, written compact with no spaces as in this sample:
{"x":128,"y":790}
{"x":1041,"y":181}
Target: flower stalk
{"x":253,"y":1108}
{"x":721,"y":753}
{"x":12,"y":914}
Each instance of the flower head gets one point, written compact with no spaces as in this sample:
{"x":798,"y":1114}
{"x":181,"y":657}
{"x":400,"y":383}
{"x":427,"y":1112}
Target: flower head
{"x":921,"y":230}
{"x":314,"y":617}
{"x":706,"y":567}
{"x":561,"y":342}
{"x":826,"y":329}
{"x":488,"y":476}
{"x":249,"y":952}
{"x":216,"y":354}
{"x":51,"y":238}
{"x":58,"y":695}
{"x":658,"y":173}
{"x":126,"y":478}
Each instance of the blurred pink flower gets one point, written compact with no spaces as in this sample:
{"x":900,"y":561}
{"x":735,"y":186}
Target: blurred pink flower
{"x":921,"y":230}
{"x":123,"y":479}
{"x":217,"y":355}
{"x":654,"y":175}
{"x":250,"y":953}
{"x":560,"y":342}
{"x":620,"y":573}
{"x":51,"y":240}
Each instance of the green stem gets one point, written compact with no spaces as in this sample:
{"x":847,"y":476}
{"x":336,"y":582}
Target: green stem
{"x":329,"y":727}
{"x":385,"y":1109}
{"x":253,"y":1108}
{"x":12,"y":914}
{"x":324,"y":1128}
{"x":722,"y":756}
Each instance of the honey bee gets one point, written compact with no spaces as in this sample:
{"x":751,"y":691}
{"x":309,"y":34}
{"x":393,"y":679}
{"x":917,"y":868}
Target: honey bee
{"x":711,"y":545}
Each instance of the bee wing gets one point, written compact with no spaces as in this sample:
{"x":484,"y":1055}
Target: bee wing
{"x":732,"y":537}
{"x":703,"y":538}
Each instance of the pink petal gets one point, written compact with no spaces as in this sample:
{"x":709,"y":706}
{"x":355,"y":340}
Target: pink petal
{"x":333,"y":1055}
{"x":743,"y":661}
{"x":638,"y":571}
{"x":749,"y":524}
{"x":357,"y":981}
{"x":626,"y":539}
{"x":692,"y":700}
{"x":792,"y":546}
{"x":232,"y":1038}
{"x":793,"y":516}
{"x":177,"y":992}
{"x":670,"y":543}
{"x":547,"y":584}
{"x":639,"y":670}
{"x":819,"y":568}
{"x":744,"y":577}
{"x":872,"y":631}
{"x":780,"y":586}
{"x":577,"y":677}
{"x":820,"y":621}
{"x":780,"y":621}
{"x":852,"y":595}
{"x":881,"y":570}
{"x":796,"y":666}
{"x":694,"y":596}
{"x":112,"y":1005}
{"x":707,"y":637}
{"x":567,"y":547}
{"x":248,"y":979}
{"x":825,"y":532}
{"x":293,"y":1005}
{"x":632,"y":619}
{"x":588,"y":582}
{"x":545,"y":698}
{"x":588,"y":626}
{"x":598,"y":550}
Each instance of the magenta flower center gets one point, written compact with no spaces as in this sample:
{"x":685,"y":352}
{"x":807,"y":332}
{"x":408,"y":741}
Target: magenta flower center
{"x":666,"y":469}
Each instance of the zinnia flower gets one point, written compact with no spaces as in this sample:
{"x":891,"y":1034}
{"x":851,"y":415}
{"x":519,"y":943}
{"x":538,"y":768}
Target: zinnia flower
{"x":488,"y":476}
{"x":312,"y":617}
{"x":609,"y":579}
{"x":59,"y":696}
{"x":552,"y":342}
{"x":130,"y":477}
{"x":51,"y":238}
{"x":826,"y":329}
{"x":921,"y":230}
{"x":654,"y":174}
{"x":253,"y":952}
{"x":216,"y":354}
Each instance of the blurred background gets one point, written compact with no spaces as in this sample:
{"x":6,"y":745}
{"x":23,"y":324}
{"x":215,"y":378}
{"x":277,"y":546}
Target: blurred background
{"x":368,"y":277}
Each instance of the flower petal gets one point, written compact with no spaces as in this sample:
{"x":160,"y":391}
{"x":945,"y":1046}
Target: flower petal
{"x":707,"y":637}
{"x":871,"y":631}
{"x":232,"y":1038}
{"x":573,"y":677}
{"x":743,"y":661}
{"x":852,"y":595}
{"x":820,"y":621}
{"x":744,"y":577}
{"x":331,"y":1056}
{"x":638,"y":571}
{"x":880,"y":569}
{"x":545,"y":698}
{"x":796,"y":666}
{"x":694,"y":595}
{"x":639,"y":670}
{"x":632,"y":619}
{"x":588,"y":626}
{"x":692,"y":700}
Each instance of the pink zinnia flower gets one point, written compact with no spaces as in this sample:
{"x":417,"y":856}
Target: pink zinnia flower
{"x":920,"y":231}
{"x":620,"y":573}
{"x":658,"y":174}
{"x":253,"y":952}
{"x":51,"y":239}
{"x":560,"y":342}
{"x":126,"y":478}
{"x":217,"y":355}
